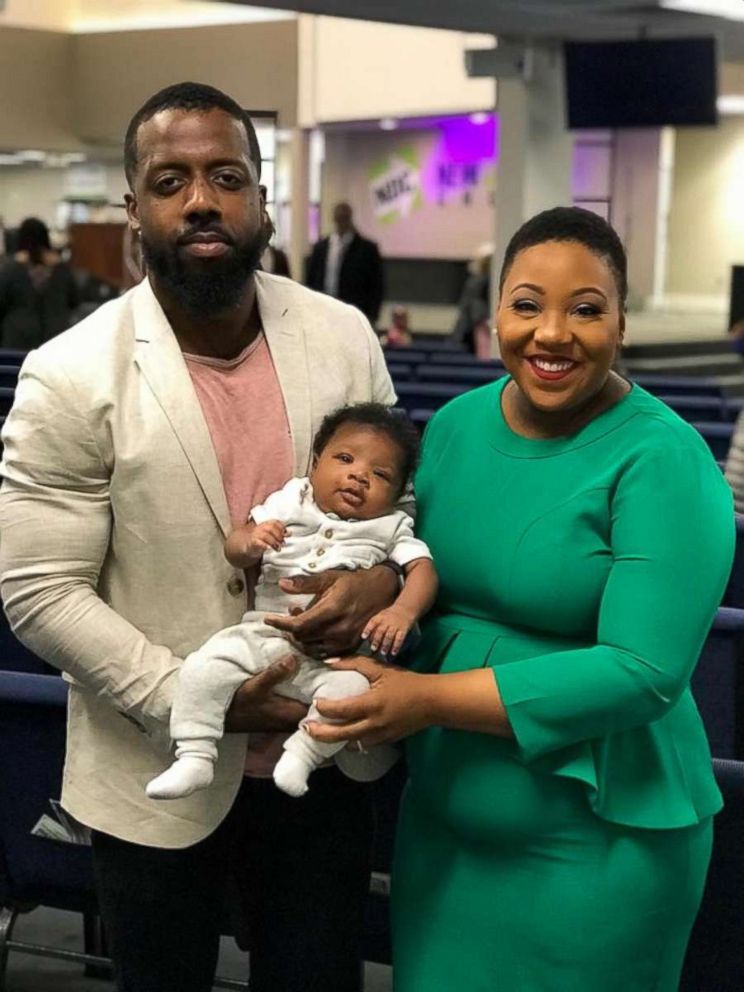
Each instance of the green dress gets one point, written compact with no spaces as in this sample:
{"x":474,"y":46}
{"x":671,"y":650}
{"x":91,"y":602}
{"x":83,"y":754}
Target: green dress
{"x":585,"y":571}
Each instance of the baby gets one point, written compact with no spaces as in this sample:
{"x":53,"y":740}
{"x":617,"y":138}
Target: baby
{"x":343,"y":516}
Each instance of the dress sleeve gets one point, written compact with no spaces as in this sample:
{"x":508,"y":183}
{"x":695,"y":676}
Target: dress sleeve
{"x":672,"y":542}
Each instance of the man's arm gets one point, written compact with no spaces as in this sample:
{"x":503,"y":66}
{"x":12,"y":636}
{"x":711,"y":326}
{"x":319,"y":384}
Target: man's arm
{"x":55,"y":521}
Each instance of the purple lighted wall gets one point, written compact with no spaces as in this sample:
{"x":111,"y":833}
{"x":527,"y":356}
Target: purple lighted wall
{"x":465,"y":147}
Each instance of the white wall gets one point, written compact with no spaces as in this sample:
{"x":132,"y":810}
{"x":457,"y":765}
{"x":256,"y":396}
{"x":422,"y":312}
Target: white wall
{"x":706,"y":229}
{"x":635,"y":202}
{"x":356,"y":70}
{"x":37,"y":192}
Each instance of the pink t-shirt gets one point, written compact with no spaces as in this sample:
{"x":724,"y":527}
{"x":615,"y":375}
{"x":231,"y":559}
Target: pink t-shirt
{"x":244,"y":409}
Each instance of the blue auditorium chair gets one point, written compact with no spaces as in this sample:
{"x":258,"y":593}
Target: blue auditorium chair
{"x":8,"y":376}
{"x":716,"y":684}
{"x":14,"y":657}
{"x":444,"y":347}
{"x":693,"y":408}
{"x":37,"y":870}
{"x":715,"y":956}
{"x":675,"y":384}
{"x":426,"y":395}
{"x":474,"y":375}
{"x":9,"y":356}
{"x":411,"y":356}
{"x":421,"y":417}
{"x":717,"y":435}
{"x":464,"y":358}
{"x":400,"y":372}
{"x":734,"y":595}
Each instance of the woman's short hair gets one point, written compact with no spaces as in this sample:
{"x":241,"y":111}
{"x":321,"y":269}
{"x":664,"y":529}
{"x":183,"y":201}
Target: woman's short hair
{"x":571,"y":224}
{"x":377,"y":417}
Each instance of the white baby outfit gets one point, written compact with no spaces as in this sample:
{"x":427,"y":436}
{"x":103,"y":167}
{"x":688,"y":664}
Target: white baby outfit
{"x":209,"y":677}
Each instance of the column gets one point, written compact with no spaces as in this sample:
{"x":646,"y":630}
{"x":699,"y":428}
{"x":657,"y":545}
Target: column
{"x":299,"y":200}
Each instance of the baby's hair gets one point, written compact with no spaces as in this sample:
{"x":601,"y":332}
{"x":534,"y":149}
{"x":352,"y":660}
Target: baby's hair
{"x":378,"y":417}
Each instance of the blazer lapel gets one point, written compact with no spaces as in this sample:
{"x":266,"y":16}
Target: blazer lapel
{"x":162,"y":364}
{"x":285,"y":336}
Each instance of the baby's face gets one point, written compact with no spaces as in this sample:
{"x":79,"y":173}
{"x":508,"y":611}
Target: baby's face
{"x":358,"y":473}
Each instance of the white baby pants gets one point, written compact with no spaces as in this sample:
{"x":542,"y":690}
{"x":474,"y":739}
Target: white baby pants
{"x":210,"y":676}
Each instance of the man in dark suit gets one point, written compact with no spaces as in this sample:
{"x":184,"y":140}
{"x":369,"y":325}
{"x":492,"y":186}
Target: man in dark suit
{"x":348,"y":266}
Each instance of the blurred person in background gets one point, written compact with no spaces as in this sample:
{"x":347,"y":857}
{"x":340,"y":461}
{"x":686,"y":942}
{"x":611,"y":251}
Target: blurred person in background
{"x":348,"y":266}
{"x":275,"y":261}
{"x":38,"y":292}
{"x":473,"y":325}
{"x":398,"y":335}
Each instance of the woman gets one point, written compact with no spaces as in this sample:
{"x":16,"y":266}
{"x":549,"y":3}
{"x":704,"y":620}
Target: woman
{"x":45,"y":290}
{"x":556,"y":829}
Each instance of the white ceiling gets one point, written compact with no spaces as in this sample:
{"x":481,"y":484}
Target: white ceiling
{"x":549,"y":19}
{"x":128,"y":15}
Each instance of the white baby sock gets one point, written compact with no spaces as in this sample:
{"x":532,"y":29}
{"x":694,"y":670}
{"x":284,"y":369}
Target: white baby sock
{"x":186,"y":775}
{"x":291,"y":774}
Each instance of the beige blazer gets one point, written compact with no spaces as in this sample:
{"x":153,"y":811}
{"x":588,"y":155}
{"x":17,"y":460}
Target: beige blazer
{"x":112,"y":522}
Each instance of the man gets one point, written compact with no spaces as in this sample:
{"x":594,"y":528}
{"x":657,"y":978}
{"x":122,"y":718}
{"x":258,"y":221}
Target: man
{"x":137,"y":440}
{"x":348,"y":266}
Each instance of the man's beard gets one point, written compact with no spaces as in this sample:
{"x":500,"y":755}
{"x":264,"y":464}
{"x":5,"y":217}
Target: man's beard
{"x":205,"y":288}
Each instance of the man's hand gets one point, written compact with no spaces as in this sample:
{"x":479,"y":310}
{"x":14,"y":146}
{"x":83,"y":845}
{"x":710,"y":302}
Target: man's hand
{"x":256,"y":707}
{"x":344,"y":602}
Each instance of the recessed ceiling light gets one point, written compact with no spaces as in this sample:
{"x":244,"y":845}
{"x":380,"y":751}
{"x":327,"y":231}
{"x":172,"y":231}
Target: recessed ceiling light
{"x":389,"y":124}
{"x":732,"y":9}
{"x":730,"y":104}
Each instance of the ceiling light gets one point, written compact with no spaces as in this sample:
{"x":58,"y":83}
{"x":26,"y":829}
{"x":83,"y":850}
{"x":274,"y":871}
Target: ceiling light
{"x":32,"y":155}
{"x":389,"y":124}
{"x":730,"y":104}
{"x":731,"y":9}
{"x":480,"y":118}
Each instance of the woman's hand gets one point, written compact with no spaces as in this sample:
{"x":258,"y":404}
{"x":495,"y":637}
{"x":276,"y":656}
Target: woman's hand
{"x":398,"y":704}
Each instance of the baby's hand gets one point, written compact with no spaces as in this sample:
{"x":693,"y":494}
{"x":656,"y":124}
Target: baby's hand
{"x":387,"y":630}
{"x":267,"y":536}
{"x":245,"y":545}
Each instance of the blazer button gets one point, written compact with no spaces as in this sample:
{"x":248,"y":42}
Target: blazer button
{"x":235,"y":585}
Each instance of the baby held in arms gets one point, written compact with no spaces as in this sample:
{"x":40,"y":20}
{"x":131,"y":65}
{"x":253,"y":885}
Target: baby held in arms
{"x":343,"y":516}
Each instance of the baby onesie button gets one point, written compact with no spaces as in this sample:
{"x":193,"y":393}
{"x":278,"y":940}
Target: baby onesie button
{"x":328,"y":533}
{"x":311,"y":564}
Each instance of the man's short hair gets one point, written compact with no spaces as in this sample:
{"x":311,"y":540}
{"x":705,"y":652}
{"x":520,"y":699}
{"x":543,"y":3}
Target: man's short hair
{"x":186,"y":96}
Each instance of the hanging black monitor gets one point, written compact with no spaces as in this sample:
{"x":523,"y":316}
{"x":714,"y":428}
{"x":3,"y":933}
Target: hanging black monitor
{"x":649,"y":83}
